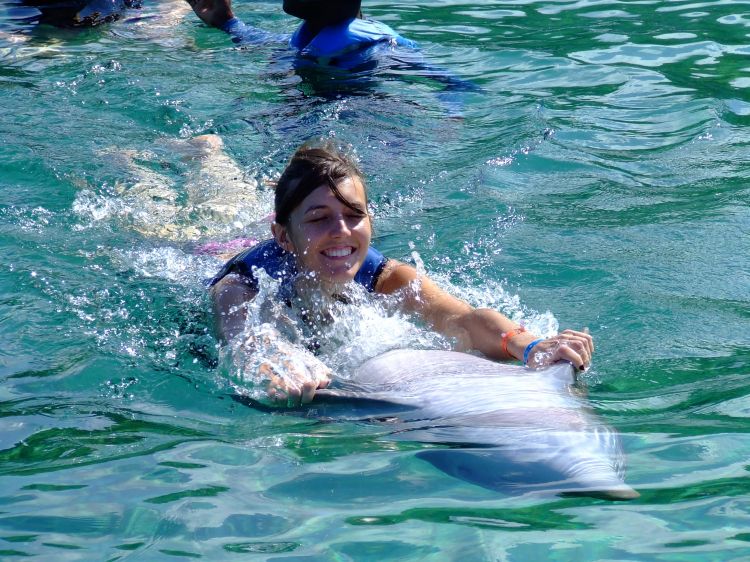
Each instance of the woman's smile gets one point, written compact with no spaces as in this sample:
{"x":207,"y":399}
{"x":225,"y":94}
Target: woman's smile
{"x":339,"y":252}
{"x":328,"y":236}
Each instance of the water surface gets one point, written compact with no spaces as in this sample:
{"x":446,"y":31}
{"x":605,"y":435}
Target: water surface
{"x":599,"y":178}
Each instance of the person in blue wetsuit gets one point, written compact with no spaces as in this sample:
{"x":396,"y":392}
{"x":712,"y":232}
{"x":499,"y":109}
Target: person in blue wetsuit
{"x":334,"y":33}
{"x":321,"y":246}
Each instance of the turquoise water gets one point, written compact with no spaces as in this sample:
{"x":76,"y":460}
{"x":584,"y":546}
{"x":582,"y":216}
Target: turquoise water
{"x":599,"y":178}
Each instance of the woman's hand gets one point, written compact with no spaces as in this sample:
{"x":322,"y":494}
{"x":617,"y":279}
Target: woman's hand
{"x":297,"y":382}
{"x":569,"y":345}
{"x":289,"y":374}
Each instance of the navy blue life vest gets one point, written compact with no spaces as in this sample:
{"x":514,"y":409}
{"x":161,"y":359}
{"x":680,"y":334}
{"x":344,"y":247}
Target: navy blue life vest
{"x":281,"y":266}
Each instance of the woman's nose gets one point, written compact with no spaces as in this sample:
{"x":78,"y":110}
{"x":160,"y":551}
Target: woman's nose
{"x":339,"y":226}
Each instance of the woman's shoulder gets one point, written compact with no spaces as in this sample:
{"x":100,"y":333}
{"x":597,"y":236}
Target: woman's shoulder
{"x":266,"y":255}
{"x":395,"y":275}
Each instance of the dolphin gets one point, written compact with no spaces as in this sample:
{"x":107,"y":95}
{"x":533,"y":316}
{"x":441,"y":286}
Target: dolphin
{"x":500,"y":426}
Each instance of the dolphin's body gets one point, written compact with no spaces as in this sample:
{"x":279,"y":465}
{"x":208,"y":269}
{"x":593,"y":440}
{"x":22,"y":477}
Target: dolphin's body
{"x":501,"y":426}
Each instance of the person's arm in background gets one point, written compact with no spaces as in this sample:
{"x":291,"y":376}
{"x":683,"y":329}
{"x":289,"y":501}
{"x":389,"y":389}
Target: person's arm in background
{"x":218,"y":13}
{"x":410,"y":63}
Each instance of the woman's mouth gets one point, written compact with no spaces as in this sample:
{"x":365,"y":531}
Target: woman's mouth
{"x":338,"y":252}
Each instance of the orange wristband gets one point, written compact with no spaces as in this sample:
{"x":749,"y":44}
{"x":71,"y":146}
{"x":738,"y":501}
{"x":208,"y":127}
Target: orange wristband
{"x":506,"y":336}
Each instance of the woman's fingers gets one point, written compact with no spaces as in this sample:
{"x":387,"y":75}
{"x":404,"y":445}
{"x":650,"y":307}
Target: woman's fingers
{"x":292,"y":389}
{"x":582,"y":336}
{"x":579,"y":349}
{"x":576,"y":347}
{"x":318,"y":371}
{"x":281,"y":391}
{"x":321,"y":377}
{"x":566,"y":353}
{"x":581,"y":343}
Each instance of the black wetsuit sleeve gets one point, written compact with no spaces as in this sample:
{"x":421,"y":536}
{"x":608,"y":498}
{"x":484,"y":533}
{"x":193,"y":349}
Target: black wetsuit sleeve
{"x":247,"y":34}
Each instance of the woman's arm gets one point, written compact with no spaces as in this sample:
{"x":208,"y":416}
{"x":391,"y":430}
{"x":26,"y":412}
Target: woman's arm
{"x":292,"y":375}
{"x":481,"y":329}
{"x":230,"y":297}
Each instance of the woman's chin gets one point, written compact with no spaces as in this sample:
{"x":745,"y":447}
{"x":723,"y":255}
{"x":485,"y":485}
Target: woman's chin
{"x":337,"y":277}
{"x":337,"y":280}
{"x":326,"y":280}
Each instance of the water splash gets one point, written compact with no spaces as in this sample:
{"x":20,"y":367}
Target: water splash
{"x":343,"y":331}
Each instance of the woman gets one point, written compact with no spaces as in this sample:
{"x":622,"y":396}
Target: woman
{"x":321,"y":242}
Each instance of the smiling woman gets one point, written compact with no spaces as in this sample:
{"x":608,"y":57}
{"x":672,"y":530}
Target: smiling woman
{"x":333,"y":233}
{"x":320,"y":245}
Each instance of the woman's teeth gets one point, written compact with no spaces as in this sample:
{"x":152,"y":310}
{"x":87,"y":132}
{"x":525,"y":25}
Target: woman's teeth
{"x":338,"y":252}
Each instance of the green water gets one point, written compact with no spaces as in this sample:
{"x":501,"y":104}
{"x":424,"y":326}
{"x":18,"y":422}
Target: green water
{"x":599,"y":178}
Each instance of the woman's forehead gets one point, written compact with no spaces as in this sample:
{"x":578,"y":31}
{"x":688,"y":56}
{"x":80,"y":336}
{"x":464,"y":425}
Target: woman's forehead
{"x":351,"y":189}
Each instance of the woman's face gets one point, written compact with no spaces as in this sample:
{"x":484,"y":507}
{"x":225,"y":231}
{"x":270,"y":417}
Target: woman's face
{"x":327,"y":237}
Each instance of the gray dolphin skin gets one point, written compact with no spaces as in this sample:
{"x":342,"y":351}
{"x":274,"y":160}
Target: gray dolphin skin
{"x":499,"y":426}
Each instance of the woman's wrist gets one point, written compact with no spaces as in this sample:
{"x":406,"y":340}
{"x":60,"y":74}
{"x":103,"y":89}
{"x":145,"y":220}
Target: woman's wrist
{"x":528,"y":349}
{"x":506,"y":337}
{"x":515,"y":342}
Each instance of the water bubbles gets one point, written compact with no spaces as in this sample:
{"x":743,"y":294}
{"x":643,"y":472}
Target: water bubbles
{"x":500,"y":161}
{"x":418,"y":262}
{"x":119,"y":388}
{"x":111,"y":66}
{"x":168,"y":263}
{"x":399,"y":203}
{"x":186,"y":131}
{"x":29,"y":220}
{"x":344,"y":330}
{"x":94,"y":207}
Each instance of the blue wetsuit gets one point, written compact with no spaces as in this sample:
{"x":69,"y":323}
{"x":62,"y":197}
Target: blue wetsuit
{"x":281,"y":266}
{"x":356,"y":45}
{"x":345,"y":45}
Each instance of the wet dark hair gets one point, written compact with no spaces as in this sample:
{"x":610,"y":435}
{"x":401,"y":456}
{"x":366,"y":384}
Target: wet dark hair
{"x":321,"y":13}
{"x":313,"y":165}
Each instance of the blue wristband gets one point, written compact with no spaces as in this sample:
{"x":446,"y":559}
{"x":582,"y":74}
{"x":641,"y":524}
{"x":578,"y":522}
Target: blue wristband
{"x":528,"y":350}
